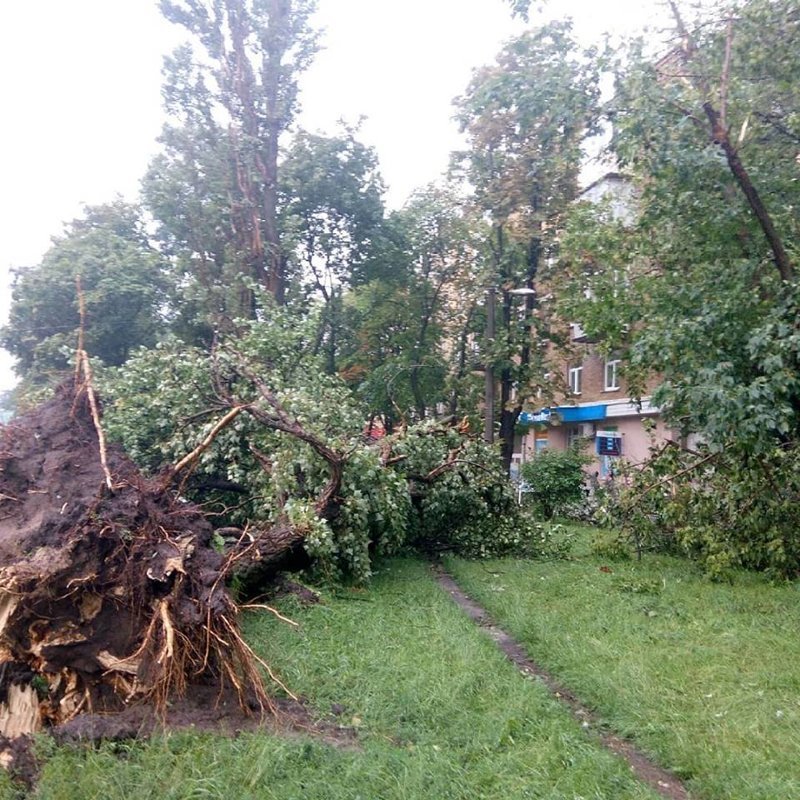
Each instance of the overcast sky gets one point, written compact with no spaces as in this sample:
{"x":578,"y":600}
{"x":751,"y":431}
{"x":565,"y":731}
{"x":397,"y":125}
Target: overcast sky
{"x":81,"y":95}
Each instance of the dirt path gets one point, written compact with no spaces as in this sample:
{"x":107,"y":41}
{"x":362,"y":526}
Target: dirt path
{"x":661,"y":780}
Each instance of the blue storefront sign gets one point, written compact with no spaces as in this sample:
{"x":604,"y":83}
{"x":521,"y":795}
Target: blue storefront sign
{"x":534,"y":417}
{"x":582,"y":413}
{"x":564,"y":414}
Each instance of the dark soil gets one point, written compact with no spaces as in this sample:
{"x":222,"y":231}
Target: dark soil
{"x":202,"y":710}
{"x":107,"y":596}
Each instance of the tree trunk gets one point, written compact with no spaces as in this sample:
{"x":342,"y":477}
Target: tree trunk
{"x":279,"y":11}
{"x":719,"y":134}
{"x":255,"y":562}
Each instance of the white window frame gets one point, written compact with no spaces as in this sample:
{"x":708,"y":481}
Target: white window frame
{"x":575,"y":377}
{"x":613,"y":384}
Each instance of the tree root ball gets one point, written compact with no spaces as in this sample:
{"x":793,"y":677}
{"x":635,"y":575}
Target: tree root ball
{"x":107,"y":596}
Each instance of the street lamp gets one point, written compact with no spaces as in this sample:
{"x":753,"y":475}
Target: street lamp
{"x":488,"y":423}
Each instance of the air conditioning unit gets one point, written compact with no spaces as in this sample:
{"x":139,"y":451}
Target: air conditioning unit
{"x":586,"y":428}
{"x":576,"y":332}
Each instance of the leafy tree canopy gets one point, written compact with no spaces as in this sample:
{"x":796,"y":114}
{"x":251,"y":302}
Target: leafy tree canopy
{"x":700,"y":285}
{"x":124,"y":284}
{"x":332,"y":219}
{"x":235,"y":84}
{"x":690,"y":286}
{"x":409,"y":329}
{"x":526,"y":118}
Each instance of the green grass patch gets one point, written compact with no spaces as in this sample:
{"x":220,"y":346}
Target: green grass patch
{"x":704,"y":676}
{"x":441,"y":715}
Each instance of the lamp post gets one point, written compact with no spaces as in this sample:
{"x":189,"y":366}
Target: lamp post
{"x":488,"y":430}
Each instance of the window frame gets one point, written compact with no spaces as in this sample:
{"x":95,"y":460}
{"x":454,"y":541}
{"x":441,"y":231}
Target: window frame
{"x":612,"y":363}
{"x":575,"y":380}
{"x":575,"y":435}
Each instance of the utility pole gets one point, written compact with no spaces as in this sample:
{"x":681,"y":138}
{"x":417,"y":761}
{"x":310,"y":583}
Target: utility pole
{"x":488,"y":367}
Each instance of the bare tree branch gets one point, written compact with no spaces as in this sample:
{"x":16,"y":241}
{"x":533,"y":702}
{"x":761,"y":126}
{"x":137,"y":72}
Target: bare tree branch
{"x":719,"y":134}
{"x":724,"y":81}
{"x":85,"y":367}
{"x":191,"y":458}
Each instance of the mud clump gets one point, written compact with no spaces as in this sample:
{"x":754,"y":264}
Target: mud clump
{"x":108,"y":596}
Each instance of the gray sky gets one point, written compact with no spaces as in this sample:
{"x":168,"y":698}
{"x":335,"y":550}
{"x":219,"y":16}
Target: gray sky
{"x":81,"y":94}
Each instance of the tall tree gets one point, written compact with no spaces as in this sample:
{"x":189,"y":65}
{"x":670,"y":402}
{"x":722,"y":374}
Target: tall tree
{"x":332,"y":216}
{"x":240,"y":72}
{"x":705,"y":274}
{"x":409,"y":328}
{"x":186,"y":190}
{"x":124,"y":285}
{"x":444,"y":252}
{"x":526,"y":117}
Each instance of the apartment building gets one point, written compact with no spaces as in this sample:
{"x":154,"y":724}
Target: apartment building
{"x":596,"y":412}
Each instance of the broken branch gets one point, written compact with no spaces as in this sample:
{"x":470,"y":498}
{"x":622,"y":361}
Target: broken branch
{"x":191,"y":458}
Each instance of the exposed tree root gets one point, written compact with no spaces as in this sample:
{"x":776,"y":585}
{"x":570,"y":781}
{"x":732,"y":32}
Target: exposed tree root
{"x":110,"y":591}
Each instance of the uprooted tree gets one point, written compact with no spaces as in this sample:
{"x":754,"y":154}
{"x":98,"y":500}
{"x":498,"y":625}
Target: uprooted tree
{"x":113,"y":584}
{"x":110,"y":589}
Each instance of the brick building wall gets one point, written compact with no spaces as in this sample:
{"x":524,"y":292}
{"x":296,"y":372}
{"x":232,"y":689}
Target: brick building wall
{"x":603,"y":406}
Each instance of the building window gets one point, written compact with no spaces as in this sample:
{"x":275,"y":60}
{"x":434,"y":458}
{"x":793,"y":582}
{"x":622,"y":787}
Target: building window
{"x":612,"y":375}
{"x":546,"y":378}
{"x":575,"y":435}
{"x":575,"y":379}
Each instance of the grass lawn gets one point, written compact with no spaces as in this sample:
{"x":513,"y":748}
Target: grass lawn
{"x":704,"y":676}
{"x":441,"y":715}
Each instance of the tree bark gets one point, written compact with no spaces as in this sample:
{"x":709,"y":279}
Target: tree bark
{"x":272,"y":71}
{"x":719,"y":134}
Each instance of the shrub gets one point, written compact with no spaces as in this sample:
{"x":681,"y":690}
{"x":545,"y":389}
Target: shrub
{"x":556,"y":479}
{"x":727,"y":508}
{"x":610,"y":546}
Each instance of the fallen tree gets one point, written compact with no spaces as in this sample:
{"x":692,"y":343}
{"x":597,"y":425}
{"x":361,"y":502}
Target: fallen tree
{"x":113,"y":582}
{"x":287,"y":471}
